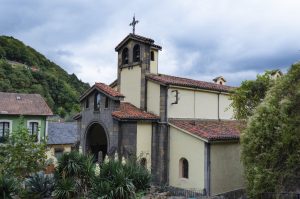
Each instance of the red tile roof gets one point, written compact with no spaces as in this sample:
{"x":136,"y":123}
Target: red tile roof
{"x":210,"y":130}
{"x":185,"y":82}
{"x":103,"y":88}
{"x":23,"y":104}
{"x":108,"y":90}
{"x":128,"y":111}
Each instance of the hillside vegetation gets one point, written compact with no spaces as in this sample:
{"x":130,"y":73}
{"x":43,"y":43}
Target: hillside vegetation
{"x":24,"y":70}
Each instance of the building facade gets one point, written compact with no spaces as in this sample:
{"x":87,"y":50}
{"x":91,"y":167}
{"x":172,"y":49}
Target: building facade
{"x":181,"y":128}
{"x":33,"y":109}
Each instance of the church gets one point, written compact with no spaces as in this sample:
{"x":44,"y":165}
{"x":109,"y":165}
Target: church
{"x":181,"y":129}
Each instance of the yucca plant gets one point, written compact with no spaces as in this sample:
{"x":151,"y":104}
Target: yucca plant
{"x":77,"y":168}
{"x":8,"y":187}
{"x":65,"y":189}
{"x":40,"y":185}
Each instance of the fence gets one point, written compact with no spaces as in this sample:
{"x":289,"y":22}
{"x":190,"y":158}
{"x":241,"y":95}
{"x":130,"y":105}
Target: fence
{"x":197,"y":194}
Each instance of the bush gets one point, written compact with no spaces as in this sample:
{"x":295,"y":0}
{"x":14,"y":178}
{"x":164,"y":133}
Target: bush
{"x":65,"y":189}
{"x":120,"y":181}
{"x":77,"y":168}
{"x":8,"y":187}
{"x":40,"y":185}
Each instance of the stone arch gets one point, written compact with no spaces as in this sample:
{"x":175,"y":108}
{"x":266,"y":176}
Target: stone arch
{"x":96,"y":139}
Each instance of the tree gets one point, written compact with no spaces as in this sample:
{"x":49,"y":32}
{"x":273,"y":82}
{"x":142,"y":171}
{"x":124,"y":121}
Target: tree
{"x":271,"y":140}
{"x":20,"y":155}
{"x":249,"y":95}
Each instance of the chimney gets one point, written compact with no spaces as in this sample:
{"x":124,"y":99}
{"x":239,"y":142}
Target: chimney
{"x":220,"y":80}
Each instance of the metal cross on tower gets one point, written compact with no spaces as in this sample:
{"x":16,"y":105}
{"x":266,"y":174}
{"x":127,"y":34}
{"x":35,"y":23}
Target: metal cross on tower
{"x":133,"y":23}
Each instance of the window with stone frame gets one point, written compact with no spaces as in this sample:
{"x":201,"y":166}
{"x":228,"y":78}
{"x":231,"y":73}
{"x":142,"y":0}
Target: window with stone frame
{"x":183,"y":168}
{"x":136,"y":53}
{"x":4,"y":131}
{"x":97,"y":101}
{"x":125,"y":56}
{"x":34,"y":130}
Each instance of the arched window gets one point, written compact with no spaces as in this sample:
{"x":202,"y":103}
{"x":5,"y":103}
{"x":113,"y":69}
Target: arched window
{"x":97,"y":102}
{"x":125,"y":56}
{"x":152,"y":56}
{"x":143,"y":162}
{"x":183,"y":168}
{"x":136,"y":53}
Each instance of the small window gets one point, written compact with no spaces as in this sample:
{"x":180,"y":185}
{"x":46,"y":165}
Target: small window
{"x":176,"y":95}
{"x":97,"y":102}
{"x":34,"y":130}
{"x":106,"y":102}
{"x":143,"y":162}
{"x":183,"y":168}
{"x":152,"y":56}
{"x":136,"y":53}
{"x":58,"y":152}
{"x":4,"y":130}
{"x":125,"y":56}
{"x":87,"y":103}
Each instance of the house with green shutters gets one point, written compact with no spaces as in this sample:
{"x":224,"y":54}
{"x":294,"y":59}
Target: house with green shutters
{"x":33,"y":109}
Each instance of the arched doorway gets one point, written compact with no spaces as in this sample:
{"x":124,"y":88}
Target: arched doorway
{"x":96,"y":141}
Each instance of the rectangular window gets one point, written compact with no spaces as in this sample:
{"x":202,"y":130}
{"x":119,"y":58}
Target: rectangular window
{"x":106,"y":102}
{"x":97,"y":101}
{"x":87,"y":103}
{"x":4,"y":130}
{"x":58,"y":152}
{"x":34,"y":130}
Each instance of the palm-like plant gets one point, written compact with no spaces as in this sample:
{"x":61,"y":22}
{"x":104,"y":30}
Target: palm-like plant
{"x":8,"y":187}
{"x":40,"y":185}
{"x":78,"y":168}
{"x":65,"y":189}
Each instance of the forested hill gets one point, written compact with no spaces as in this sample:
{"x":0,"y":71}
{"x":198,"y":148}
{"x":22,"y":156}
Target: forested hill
{"x":24,"y":70}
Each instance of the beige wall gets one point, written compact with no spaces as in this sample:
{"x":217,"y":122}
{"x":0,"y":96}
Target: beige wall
{"x":51,"y":151}
{"x":130,"y":85}
{"x":226,"y":112}
{"x":198,"y":104}
{"x":154,"y":64}
{"x":153,"y":98}
{"x":226,"y":168}
{"x":143,"y":139}
{"x":183,"y":145}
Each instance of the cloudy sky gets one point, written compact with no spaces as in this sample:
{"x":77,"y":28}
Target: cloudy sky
{"x":201,"y":39}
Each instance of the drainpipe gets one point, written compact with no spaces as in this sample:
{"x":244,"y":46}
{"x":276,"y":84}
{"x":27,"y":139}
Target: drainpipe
{"x":219,"y":106}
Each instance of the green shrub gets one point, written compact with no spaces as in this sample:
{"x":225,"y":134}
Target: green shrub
{"x":65,"y":189}
{"x":113,"y":182}
{"x":8,"y":187}
{"x":77,"y":168}
{"x":40,"y":185}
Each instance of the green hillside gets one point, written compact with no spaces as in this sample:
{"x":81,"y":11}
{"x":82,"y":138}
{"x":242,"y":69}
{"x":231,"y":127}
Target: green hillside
{"x":24,"y":70}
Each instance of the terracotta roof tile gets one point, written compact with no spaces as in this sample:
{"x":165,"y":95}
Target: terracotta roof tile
{"x":108,"y":90}
{"x":23,"y":104}
{"x":129,"y":111}
{"x":185,"y":82}
{"x":211,"y":130}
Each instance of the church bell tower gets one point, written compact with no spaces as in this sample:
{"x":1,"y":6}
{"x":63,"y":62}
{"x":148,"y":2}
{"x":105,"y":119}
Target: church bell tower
{"x":137,"y":56}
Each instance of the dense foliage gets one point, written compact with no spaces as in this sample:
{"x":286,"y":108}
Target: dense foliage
{"x":22,"y":69}
{"x":21,"y":155}
{"x":270,"y":143}
{"x":250,"y":94}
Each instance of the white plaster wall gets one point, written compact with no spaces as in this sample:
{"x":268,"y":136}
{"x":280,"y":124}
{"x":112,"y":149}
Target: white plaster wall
{"x":226,"y":112}
{"x":206,"y":105}
{"x":131,"y":85}
{"x":153,"y":98}
{"x":191,"y":148}
{"x":143,"y":145}
{"x":226,"y":167}
{"x":185,"y":106}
